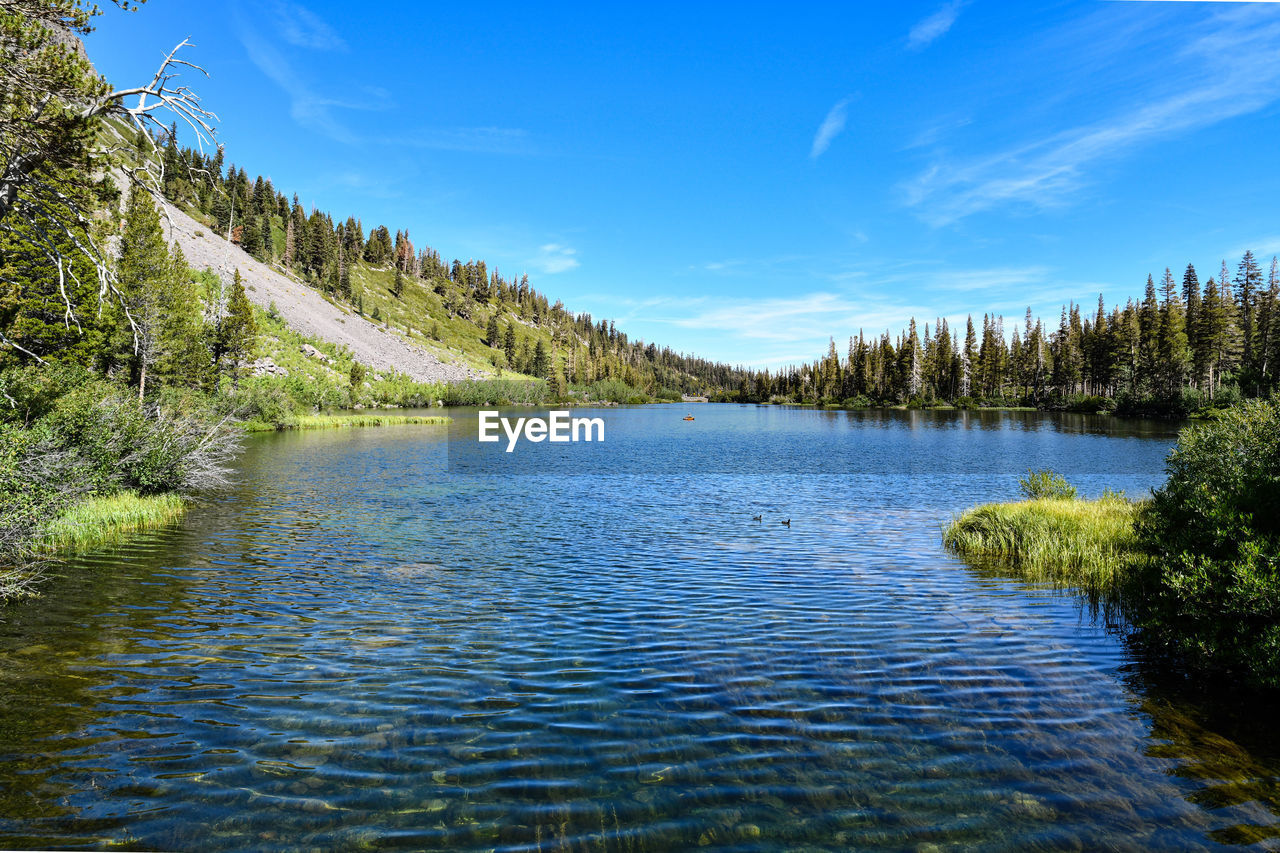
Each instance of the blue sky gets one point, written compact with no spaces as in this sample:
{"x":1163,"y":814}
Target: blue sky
{"x":743,"y":181}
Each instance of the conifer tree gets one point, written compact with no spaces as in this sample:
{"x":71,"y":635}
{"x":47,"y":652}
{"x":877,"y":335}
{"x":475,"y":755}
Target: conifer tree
{"x":1248,"y":283}
{"x":1191,"y":297}
{"x":1174,"y":352}
{"x":268,"y":240}
{"x":251,"y":236}
{"x":236,"y":333}
{"x":509,"y":345}
{"x":1212,"y":336}
{"x":37,"y":297}
{"x":538,"y":366}
{"x":144,"y":272}
{"x":968,"y":357}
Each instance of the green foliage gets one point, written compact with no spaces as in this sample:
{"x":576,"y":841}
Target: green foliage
{"x":35,"y":294}
{"x":1045,"y":484}
{"x":235,"y":332}
{"x":98,"y":521}
{"x":305,"y":422}
{"x":158,"y":327}
{"x":1211,"y":596}
{"x":1089,"y":544}
{"x":613,"y":391}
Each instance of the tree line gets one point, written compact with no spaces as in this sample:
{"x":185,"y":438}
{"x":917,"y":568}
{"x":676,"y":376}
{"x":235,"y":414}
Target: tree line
{"x":1182,"y":342}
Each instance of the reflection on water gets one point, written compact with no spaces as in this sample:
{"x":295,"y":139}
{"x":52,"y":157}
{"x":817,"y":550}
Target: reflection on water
{"x":358,"y":649}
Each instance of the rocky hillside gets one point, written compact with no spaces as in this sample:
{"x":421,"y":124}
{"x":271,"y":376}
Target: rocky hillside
{"x":307,"y":311}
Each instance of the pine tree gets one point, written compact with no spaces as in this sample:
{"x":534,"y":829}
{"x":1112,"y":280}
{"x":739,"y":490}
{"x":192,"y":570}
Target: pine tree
{"x":268,"y":240}
{"x":491,"y":333}
{"x":1248,"y":283}
{"x":1191,"y":297}
{"x":1149,"y":335}
{"x":1212,"y":336}
{"x":290,"y":244}
{"x":397,"y":286}
{"x":509,"y":345}
{"x":144,"y":272}
{"x":182,"y":357}
{"x":1174,"y":351}
{"x":35,"y":292}
{"x":968,"y":357}
{"x":251,"y":236}
{"x":237,"y":332}
{"x":1269,"y":327}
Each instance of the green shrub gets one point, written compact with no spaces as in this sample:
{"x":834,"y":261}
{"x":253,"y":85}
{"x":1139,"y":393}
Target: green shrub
{"x":1211,"y":596}
{"x":264,"y":401}
{"x":1045,"y":484}
{"x":614,"y":391}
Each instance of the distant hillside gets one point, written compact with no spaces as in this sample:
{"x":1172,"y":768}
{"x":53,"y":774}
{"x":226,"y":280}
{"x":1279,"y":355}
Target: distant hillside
{"x":308,"y":311}
{"x":396,"y":306}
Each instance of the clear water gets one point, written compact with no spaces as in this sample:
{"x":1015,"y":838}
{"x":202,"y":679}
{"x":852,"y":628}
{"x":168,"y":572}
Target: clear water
{"x":360,"y":648}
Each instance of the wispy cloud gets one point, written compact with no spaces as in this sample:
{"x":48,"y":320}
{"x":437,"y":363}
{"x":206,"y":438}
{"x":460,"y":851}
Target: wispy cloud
{"x":934,"y":27}
{"x":831,"y":127}
{"x":319,"y":112}
{"x":301,"y":27}
{"x":1230,"y":70}
{"x":554,"y":258}
{"x":308,"y":107}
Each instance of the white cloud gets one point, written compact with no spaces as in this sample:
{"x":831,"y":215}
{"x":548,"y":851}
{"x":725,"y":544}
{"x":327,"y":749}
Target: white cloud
{"x":1234,"y":69}
{"x":934,"y":27}
{"x":303,"y":28}
{"x":831,"y":127}
{"x":554,"y":258}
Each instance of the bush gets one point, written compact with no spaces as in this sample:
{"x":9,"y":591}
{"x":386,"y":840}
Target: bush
{"x":1045,"y":484}
{"x":1211,"y":596}
{"x":264,"y":400}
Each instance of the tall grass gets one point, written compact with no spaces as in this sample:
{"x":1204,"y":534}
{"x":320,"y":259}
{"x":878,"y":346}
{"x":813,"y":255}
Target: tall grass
{"x":338,"y":421}
{"x":105,"y":520}
{"x":1091,"y":544}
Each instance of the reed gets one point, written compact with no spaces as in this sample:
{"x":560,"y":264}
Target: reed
{"x":105,"y":520}
{"x":1091,"y":544}
{"x":340,"y":421}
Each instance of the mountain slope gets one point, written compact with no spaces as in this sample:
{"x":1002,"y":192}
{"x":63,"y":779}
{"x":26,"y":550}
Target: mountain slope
{"x":305,"y":309}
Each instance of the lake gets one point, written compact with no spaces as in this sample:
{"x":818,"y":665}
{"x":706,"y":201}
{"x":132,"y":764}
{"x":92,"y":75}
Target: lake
{"x":393,"y":639}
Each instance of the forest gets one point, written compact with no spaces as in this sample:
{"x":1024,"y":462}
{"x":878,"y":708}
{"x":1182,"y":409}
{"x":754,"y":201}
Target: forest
{"x":1184,"y":345}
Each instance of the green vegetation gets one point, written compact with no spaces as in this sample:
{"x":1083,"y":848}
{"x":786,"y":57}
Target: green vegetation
{"x":466,"y":313}
{"x":1211,"y":596}
{"x":1091,"y":544}
{"x":103,"y":520}
{"x":1196,"y":568}
{"x":338,"y":421}
{"x":1046,"y":485}
{"x":70,"y":438}
{"x":1182,"y":349}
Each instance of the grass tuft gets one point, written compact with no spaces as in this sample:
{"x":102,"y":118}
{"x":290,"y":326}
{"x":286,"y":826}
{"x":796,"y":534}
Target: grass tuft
{"x":105,"y":520}
{"x":338,"y":421}
{"x":1091,"y":544}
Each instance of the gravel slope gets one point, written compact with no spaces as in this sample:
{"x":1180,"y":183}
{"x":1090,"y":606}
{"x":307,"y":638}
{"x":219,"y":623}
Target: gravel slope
{"x":305,"y":310}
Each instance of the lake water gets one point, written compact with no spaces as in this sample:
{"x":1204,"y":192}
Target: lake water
{"x":374,"y":642}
